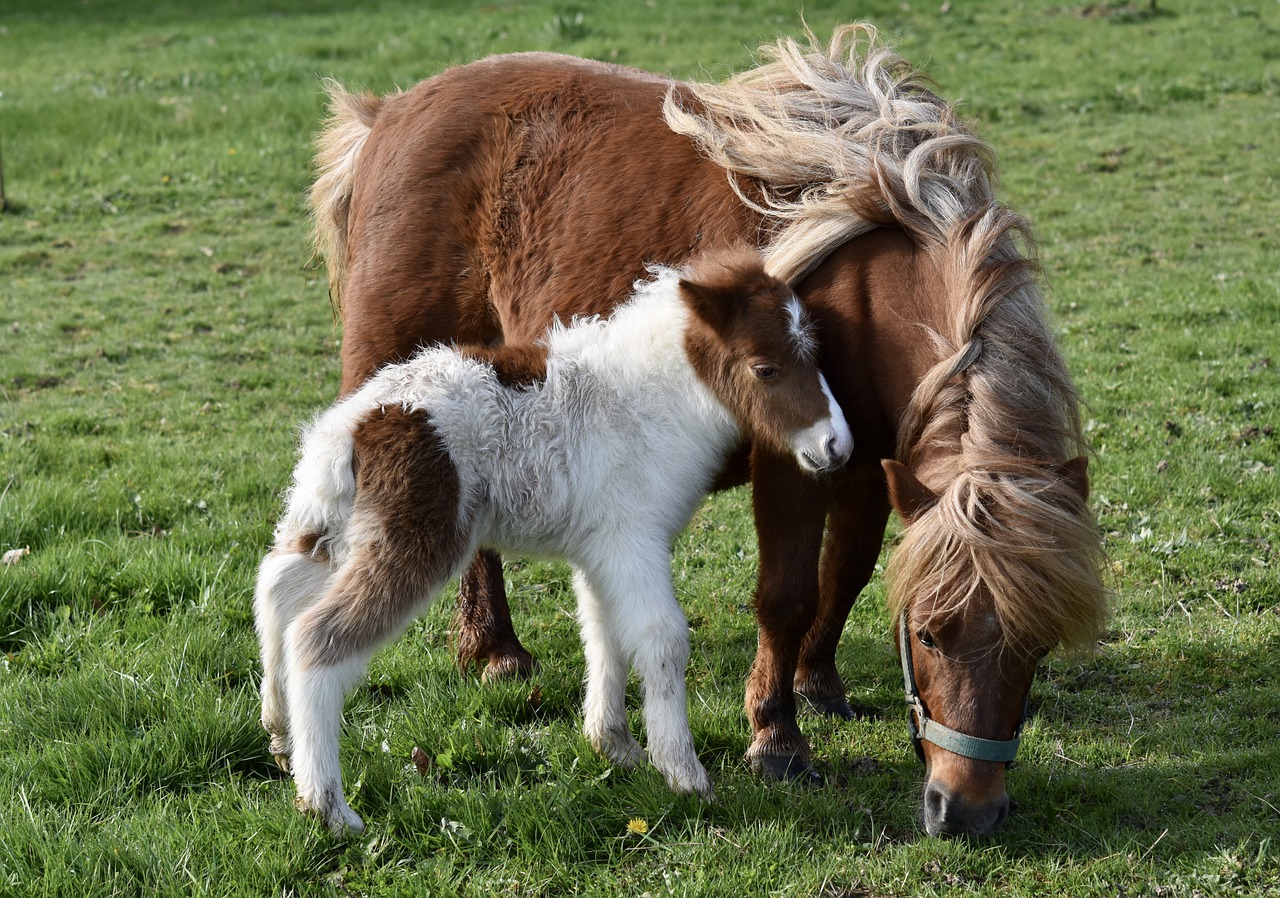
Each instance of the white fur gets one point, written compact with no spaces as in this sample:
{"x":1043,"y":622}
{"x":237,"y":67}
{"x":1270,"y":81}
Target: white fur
{"x":600,"y":465}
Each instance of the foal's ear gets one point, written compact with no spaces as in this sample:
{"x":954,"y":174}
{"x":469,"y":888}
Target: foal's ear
{"x":909,"y":497}
{"x":714,"y":305}
{"x":1076,"y":474}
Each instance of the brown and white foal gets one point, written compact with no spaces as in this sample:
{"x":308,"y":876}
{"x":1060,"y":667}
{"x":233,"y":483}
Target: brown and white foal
{"x":594,"y":446}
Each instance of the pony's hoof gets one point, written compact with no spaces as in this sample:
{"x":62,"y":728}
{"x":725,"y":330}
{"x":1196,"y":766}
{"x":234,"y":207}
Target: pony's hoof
{"x":514,"y":665}
{"x":834,"y":706}
{"x":785,"y":768}
{"x":282,"y":761}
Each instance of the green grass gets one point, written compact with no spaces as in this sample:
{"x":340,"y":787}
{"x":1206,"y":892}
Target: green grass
{"x":163,"y":330}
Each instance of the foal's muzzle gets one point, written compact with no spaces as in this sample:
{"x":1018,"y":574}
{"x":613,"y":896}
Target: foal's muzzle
{"x":826,"y":445}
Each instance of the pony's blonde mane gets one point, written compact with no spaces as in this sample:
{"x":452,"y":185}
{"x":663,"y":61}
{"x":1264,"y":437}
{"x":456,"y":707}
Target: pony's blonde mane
{"x":845,"y":138}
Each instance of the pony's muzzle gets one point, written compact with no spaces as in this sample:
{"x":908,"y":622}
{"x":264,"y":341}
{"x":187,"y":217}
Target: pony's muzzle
{"x":949,"y":813}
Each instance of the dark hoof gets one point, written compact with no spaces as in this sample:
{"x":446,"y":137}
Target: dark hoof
{"x":788,"y":768}
{"x":512,"y":666}
{"x":835,"y":706}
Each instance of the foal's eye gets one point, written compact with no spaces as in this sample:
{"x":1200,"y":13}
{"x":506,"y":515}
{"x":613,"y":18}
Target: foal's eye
{"x":764,"y":372}
{"x":926,"y":639}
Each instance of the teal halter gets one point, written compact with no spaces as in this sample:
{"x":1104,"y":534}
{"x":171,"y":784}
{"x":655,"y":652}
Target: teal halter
{"x":922,"y":729}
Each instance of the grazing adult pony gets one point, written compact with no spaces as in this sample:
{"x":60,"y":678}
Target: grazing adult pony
{"x":460,"y":209}
{"x":595,"y":447}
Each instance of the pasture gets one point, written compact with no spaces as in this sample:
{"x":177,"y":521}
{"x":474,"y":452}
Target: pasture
{"x":164,"y":330}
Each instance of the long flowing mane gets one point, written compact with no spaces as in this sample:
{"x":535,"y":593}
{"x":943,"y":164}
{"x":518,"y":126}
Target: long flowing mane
{"x":847,"y":137}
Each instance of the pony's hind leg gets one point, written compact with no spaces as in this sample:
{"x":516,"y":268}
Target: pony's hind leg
{"x":288,"y":582}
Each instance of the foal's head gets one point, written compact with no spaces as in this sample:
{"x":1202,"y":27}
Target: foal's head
{"x":752,"y":342}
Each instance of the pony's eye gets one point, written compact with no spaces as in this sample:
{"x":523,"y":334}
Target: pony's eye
{"x":926,"y":638}
{"x":764,"y":372}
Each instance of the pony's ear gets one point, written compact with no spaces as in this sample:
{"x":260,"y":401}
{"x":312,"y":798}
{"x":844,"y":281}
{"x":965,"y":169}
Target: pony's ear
{"x":714,"y":305}
{"x":909,"y":497}
{"x":1076,"y":473}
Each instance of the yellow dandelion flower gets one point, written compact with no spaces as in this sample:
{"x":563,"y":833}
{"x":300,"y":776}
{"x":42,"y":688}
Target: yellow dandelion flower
{"x":638,"y":825}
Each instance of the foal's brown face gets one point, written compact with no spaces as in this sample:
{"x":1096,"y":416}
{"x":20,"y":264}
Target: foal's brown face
{"x":752,"y":343}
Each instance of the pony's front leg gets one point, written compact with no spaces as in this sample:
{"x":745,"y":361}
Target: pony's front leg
{"x":640,"y":606}
{"x":288,"y":582}
{"x":855,"y":530}
{"x":790,"y":510}
{"x":604,"y":710}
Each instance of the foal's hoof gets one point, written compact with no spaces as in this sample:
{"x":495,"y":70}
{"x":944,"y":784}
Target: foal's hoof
{"x":691,"y":781}
{"x":281,"y":749}
{"x":338,"y":817}
{"x":786,"y":768}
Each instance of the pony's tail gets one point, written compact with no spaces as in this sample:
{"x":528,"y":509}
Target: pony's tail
{"x":351,"y":117}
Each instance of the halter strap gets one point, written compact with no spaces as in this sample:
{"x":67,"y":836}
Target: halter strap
{"x":922,"y":729}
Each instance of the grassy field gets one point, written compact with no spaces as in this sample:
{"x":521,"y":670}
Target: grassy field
{"x":163,"y":330}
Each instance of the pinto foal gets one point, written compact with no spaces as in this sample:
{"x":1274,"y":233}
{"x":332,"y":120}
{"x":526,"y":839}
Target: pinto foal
{"x":594,"y":447}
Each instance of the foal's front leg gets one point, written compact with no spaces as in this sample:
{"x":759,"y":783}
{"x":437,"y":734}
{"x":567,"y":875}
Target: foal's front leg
{"x":639,"y":608}
{"x":604,"y":709}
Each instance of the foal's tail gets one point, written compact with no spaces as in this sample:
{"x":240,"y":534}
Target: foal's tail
{"x":320,"y":499}
{"x":351,"y":116}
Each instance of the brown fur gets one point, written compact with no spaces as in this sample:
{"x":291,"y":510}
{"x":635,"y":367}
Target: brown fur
{"x":727,"y":331}
{"x":407,"y":492}
{"x":514,"y":365}
{"x":932,"y":333}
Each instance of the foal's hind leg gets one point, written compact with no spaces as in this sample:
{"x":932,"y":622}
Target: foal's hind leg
{"x":408,"y":537}
{"x":327,"y":650}
{"x":288,"y":582}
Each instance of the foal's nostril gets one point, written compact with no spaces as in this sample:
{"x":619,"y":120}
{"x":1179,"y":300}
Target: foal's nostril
{"x":836,"y":451}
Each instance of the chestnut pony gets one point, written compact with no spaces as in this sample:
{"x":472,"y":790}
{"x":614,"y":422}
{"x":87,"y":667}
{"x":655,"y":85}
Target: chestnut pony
{"x":461,"y":210}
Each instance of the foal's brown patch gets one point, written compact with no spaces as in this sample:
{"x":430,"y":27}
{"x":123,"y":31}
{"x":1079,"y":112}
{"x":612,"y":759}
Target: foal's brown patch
{"x":515,"y":365}
{"x":408,"y":541}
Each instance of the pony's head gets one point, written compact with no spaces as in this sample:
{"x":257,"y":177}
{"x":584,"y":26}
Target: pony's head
{"x":1000,"y":560}
{"x":751,"y":341}
{"x":996,"y":568}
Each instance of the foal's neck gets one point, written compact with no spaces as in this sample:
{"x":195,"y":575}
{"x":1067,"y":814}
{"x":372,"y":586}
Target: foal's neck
{"x":640,"y":353}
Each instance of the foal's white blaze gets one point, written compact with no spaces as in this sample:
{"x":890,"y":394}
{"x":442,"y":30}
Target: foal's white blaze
{"x":827,"y":443}
{"x":800,"y":326}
